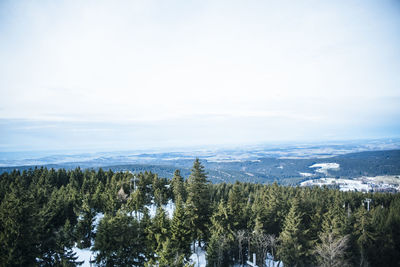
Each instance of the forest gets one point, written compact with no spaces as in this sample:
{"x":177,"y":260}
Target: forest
{"x":45,"y":213}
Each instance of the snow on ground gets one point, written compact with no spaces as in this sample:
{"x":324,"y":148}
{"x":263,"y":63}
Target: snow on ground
{"x":385,"y":179}
{"x":306,"y":174}
{"x":249,"y":174}
{"x":97,"y":220}
{"x":169,"y":209}
{"x":85,"y":255}
{"x":344,"y":184}
{"x":199,"y":256}
{"x":270,"y":262}
{"x":324,"y":167}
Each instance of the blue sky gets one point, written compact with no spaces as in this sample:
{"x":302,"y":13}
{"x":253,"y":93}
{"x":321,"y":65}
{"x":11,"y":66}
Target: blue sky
{"x":135,"y":74}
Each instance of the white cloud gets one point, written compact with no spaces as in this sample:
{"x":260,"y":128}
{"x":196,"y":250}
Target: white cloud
{"x":135,"y":61}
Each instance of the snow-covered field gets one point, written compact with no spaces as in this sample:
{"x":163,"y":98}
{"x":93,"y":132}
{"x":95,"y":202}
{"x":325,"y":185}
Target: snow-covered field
{"x":344,"y":184}
{"x":324,"y":167}
{"x":385,"y":179}
{"x":363,"y":184}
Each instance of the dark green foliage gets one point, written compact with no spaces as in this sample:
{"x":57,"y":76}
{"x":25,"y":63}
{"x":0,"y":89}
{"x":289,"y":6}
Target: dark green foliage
{"x":45,"y":213}
{"x":178,"y":187}
{"x":180,"y":230}
{"x":85,"y":227}
{"x":18,"y":220}
{"x":198,"y":202}
{"x":158,"y":231}
{"x":292,"y":249}
{"x":118,"y":241}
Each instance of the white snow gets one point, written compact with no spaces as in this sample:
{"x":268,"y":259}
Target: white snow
{"x":324,"y":167}
{"x":306,"y":174}
{"x":270,"y":261}
{"x":344,"y":184}
{"x":85,"y":255}
{"x":199,"y":256}
{"x":364,"y":183}
{"x":249,"y":174}
{"x":97,"y":220}
{"x":169,"y":209}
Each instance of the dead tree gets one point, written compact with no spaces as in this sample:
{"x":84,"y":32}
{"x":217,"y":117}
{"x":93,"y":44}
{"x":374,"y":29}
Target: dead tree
{"x":331,"y":251}
{"x":241,"y":236}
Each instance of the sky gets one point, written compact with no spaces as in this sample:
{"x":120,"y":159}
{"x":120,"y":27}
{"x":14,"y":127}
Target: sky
{"x":112,"y":75}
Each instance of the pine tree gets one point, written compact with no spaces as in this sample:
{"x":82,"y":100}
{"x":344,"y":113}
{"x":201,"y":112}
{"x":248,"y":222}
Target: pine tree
{"x":180,"y":230}
{"x":364,"y":233}
{"x":117,"y":241}
{"x":269,"y":209}
{"x":236,"y":208}
{"x":169,"y":255}
{"x":19,"y":228}
{"x":217,"y":251}
{"x":85,"y":227}
{"x":291,"y":249}
{"x":334,"y":220}
{"x":198,"y":201}
{"x":178,"y":187}
{"x":158,"y":231}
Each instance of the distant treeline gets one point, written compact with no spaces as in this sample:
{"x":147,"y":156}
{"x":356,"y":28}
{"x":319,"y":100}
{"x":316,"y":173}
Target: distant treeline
{"x":263,"y":170}
{"x":44,"y":213}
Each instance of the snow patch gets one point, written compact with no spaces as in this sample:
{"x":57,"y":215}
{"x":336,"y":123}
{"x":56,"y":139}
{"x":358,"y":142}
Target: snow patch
{"x":97,"y":220}
{"x":199,"y":256}
{"x":169,"y":209}
{"x":388,"y":183}
{"x":324,"y":167}
{"x":270,"y":261}
{"x":85,"y":255}
{"x":343,"y":184}
{"x":306,"y":174}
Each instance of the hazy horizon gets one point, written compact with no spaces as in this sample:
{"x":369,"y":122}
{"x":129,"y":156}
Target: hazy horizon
{"x":131,"y":75}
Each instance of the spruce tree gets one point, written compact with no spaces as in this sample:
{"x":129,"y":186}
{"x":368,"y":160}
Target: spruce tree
{"x":85,"y":227}
{"x":117,"y":241}
{"x":291,"y":249}
{"x":180,"y":230}
{"x":198,"y":202}
{"x":178,"y":188}
{"x":364,"y":233}
{"x":159,"y":230}
{"x":236,"y":208}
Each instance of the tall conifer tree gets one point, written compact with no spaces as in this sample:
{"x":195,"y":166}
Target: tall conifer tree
{"x":198,"y":202}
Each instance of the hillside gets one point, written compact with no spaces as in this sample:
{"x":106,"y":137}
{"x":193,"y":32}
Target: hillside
{"x":262,"y":170}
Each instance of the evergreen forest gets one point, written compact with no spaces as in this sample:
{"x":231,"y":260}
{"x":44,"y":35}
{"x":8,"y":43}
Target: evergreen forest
{"x":46,"y":213}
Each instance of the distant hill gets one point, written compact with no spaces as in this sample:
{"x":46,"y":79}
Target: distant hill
{"x":263,"y":170}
